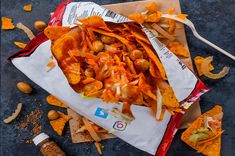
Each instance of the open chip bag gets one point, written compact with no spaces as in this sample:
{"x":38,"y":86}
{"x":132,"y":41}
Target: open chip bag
{"x":136,"y":93}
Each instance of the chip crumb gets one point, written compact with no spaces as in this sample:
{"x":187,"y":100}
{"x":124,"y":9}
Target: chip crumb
{"x":28,"y":141}
{"x":51,"y":64}
{"x":31,"y":123}
{"x":7,"y":23}
{"x":28,"y":7}
{"x":20,"y":44}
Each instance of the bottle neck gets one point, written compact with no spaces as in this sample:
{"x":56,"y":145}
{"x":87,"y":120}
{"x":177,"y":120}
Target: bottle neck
{"x":43,"y":142}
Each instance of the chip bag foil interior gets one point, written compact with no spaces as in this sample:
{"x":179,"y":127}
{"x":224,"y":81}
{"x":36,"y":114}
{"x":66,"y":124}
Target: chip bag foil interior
{"x":69,"y":81}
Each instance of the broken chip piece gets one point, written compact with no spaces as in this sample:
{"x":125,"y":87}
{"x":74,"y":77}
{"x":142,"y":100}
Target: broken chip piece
{"x":28,"y":7}
{"x":55,"y":102}
{"x":20,"y":44}
{"x":59,"y":124}
{"x":198,"y":63}
{"x":178,"y":49}
{"x":7,"y":23}
{"x":151,"y":7}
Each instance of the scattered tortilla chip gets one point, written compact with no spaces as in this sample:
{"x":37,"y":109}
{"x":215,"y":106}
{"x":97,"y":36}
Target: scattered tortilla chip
{"x":212,"y":147}
{"x":26,"y":30}
{"x":64,"y":116}
{"x":28,"y":7}
{"x":58,"y":124}
{"x":55,"y":102}
{"x":7,"y":23}
{"x":178,"y":49}
{"x":54,"y":32}
{"x":198,"y":62}
{"x":171,"y":11}
{"x":20,"y":44}
{"x":182,"y":16}
{"x":139,"y":18}
{"x":152,"y":7}
{"x":154,"y":17}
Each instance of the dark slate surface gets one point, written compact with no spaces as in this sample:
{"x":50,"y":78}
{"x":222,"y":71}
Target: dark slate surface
{"x":214,"y":19}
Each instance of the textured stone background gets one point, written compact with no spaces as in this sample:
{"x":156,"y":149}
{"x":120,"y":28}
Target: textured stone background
{"x":214,"y":19}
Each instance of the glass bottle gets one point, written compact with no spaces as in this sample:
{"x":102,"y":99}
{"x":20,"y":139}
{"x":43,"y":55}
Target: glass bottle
{"x":47,"y":147}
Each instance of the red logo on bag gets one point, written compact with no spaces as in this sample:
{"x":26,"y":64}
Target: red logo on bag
{"x":120,"y":125}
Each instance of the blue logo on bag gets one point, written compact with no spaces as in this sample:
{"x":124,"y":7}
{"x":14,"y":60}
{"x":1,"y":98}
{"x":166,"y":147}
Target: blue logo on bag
{"x":102,"y":113}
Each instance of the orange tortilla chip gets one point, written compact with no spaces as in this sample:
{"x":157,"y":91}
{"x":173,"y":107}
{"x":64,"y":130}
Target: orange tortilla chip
{"x":28,"y":7}
{"x":153,"y":70}
{"x":59,"y":124}
{"x":154,"y":17}
{"x":178,"y":49}
{"x":139,"y":18}
{"x":145,"y":88}
{"x":55,"y":102}
{"x":152,"y":7}
{"x":140,"y":37}
{"x":210,"y":148}
{"x":130,"y":65}
{"x":20,"y":44}
{"x":55,"y":32}
{"x":95,"y":22}
{"x":62,"y":45}
{"x":182,"y":16}
{"x":92,"y":88}
{"x":198,"y":62}
{"x":64,"y":116}
{"x":51,"y":64}
{"x":72,"y":73}
{"x":7,"y":23}
{"x":169,"y":99}
{"x":154,"y":58}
